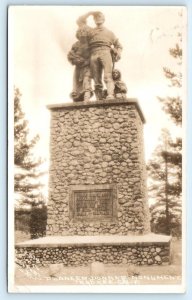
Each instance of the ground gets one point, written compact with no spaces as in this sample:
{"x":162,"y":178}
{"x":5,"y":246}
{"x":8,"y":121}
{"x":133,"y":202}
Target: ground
{"x":103,"y":274}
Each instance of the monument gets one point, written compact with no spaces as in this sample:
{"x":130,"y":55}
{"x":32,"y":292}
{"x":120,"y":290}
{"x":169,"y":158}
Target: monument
{"x":98,"y":207}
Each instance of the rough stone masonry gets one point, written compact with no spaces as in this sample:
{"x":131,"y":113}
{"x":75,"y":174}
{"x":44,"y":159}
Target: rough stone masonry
{"x":97,"y":208}
{"x":149,"y":254}
{"x":96,"y":148}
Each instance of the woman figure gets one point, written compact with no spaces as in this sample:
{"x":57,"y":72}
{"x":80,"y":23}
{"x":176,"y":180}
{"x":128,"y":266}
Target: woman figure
{"x":80,"y":57}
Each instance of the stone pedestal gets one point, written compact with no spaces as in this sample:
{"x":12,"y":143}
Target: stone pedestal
{"x":150,"y":249}
{"x":97,"y":208}
{"x":97,"y":174}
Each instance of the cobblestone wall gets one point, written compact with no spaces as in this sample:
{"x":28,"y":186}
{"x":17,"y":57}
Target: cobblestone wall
{"x":98,"y":144}
{"x":71,"y":256}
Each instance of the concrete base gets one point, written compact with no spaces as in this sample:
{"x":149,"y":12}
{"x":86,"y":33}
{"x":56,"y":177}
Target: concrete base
{"x":150,"y":249}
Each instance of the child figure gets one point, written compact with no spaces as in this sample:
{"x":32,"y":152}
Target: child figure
{"x":120,"y":87}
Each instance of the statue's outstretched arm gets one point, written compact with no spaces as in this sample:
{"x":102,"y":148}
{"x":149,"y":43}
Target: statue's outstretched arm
{"x":81,"y":21}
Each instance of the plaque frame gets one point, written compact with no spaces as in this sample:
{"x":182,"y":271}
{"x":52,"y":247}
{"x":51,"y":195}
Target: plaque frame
{"x":88,"y":188}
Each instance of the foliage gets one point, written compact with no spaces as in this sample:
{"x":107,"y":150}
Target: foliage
{"x":22,"y":220}
{"x":165,"y":177}
{"x":173,"y":105}
{"x":32,"y":220}
{"x":27,"y":183}
{"x":165,"y":167}
{"x":22,"y":145}
{"x":38,"y":220}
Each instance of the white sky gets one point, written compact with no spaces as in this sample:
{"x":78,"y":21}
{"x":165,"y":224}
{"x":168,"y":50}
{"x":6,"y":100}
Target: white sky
{"x":41,"y":37}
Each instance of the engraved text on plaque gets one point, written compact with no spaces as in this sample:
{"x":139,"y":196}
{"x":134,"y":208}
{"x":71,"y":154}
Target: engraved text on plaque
{"x":93,"y":203}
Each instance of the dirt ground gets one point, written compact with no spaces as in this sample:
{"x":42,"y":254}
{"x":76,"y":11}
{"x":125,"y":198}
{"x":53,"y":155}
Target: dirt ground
{"x":104,"y":274}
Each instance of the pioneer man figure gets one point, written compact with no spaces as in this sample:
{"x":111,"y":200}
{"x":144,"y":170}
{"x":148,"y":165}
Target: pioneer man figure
{"x":103,"y":44}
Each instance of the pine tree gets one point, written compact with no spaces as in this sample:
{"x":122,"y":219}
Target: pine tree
{"x":27,"y":184}
{"x":164,"y":170}
{"x":173,"y":105}
{"x":166,"y":210}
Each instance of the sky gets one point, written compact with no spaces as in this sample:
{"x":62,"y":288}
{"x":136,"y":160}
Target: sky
{"x":41,"y":36}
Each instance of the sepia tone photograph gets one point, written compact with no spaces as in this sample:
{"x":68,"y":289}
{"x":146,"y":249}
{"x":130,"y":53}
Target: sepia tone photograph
{"x":96,"y":186}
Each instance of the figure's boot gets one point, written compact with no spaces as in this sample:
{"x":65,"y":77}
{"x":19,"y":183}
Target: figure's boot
{"x":87,"y":96}
{"x":110,"y":97}
{"x":110,"y":89}
{"x":99,"y":94}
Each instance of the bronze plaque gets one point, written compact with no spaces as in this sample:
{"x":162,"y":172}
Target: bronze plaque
{"x":93,"y":203}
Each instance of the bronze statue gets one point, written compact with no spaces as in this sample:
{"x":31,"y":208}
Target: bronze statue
{"x":105,"y":49}
{"x":80,"y":57}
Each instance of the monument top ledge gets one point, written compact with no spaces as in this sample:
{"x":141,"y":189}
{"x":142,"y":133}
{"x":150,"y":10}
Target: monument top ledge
{"x":82,"y":104}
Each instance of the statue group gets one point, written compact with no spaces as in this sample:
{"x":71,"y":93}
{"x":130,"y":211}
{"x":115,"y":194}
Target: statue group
{"x":94,"y":56}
